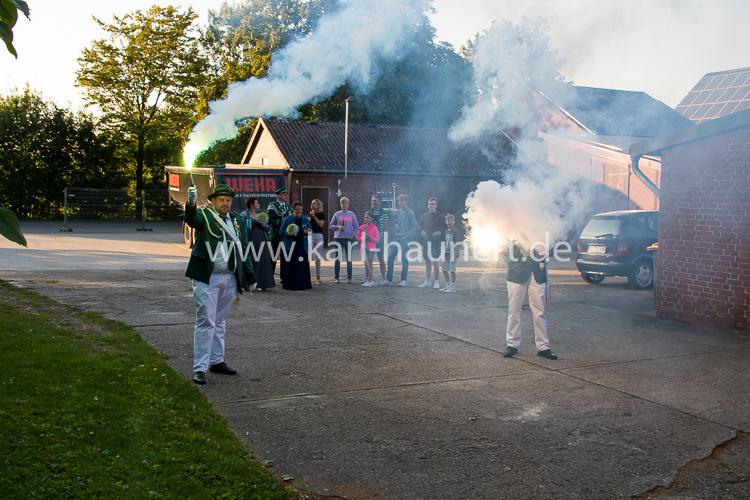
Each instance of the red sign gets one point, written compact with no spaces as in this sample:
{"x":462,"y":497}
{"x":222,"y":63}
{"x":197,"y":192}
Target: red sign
{"x":252,"y":184}
{"x":174,"y":180}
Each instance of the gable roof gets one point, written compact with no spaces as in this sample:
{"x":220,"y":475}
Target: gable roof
{"x":717,"y":94}
{"x":319,"y":147}
{"x":611,"y":112}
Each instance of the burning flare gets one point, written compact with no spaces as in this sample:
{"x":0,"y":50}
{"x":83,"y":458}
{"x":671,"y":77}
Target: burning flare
{"x":486,"y":241}
{"x":190,"y":153}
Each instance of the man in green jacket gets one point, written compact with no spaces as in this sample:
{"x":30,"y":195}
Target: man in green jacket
{"x":278,"y":210}
{"x":221,"y":267}
{"x":527,"y":275}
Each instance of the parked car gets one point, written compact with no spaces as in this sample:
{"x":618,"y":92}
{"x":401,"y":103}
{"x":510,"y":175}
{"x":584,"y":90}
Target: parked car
{"x":616,"y":244}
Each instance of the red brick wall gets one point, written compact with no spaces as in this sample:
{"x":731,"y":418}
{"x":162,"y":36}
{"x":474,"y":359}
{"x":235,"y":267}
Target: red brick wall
{"x":703,"y":263}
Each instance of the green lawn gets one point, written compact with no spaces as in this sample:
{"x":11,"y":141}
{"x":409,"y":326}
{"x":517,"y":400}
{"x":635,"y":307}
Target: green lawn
{"x":88,"y":409}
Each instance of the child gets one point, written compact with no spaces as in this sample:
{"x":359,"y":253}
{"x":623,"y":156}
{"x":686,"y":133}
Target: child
{"x":453,"y":237}
{"x":369,"y":236}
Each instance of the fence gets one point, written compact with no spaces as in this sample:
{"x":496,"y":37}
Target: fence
{"x":117,"y":205}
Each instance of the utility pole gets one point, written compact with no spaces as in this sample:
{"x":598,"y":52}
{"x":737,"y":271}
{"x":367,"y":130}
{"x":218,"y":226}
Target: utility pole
{"x":346,"y":138}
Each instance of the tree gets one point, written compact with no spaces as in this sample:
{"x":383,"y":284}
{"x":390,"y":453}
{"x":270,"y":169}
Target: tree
{"x":425,"y":87}
{"x":229,"y":150}
{"x":44,"y":148}
{"x":144,"y":76}
{"x":9,"y":226}
{"x":8,"y":17}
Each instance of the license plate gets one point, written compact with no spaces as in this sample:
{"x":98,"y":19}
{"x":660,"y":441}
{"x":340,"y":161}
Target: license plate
{"x":597,"y":249}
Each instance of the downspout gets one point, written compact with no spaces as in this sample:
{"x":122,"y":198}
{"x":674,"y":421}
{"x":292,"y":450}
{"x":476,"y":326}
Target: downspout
{"x":634,"y":160}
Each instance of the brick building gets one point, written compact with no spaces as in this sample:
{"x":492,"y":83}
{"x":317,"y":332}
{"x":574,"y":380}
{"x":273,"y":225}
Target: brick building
{"x":703,"y":262}
{"x":383,"y":159}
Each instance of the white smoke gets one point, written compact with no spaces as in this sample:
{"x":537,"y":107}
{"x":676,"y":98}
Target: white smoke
{"x":512,"y":63}
{"x":345,"y":46}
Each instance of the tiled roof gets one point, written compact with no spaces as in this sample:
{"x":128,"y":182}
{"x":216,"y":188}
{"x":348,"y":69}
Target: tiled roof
{"x":319,"y":146}
{"x":623,"y":113}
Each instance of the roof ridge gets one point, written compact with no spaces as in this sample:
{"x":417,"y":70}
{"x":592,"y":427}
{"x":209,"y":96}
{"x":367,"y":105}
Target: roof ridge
{"x":726,"y":71}
{"x":353,"y":124}
{"x":614,"y":90}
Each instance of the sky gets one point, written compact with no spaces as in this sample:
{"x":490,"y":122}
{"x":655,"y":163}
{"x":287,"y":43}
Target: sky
{"x":662,"y":47}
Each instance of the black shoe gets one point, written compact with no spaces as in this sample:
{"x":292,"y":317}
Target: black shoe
{"x":222,"y":368}
{"x":547,"y":353}
{"x":199,"y":378}
{"x":510,"y":352}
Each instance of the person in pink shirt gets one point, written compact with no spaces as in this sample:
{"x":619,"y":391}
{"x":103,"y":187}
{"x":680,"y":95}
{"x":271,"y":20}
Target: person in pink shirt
{"x":369,"y":236}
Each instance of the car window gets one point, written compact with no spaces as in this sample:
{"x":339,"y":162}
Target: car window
{"x":599,"y":228}
{"x":634,"y":227}
{"x":652,"y":221}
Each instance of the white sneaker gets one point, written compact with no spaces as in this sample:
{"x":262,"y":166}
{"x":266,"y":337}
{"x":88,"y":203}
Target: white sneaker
{"x":445,"y":289}
{"x":403,"y":283}
{"x":372,"y":283}
{"x":451,"y":288}
{"x":426,"y":284}
{"x":436,"y":286}
{"x":384,"y":283}
{"x":365,"y":283}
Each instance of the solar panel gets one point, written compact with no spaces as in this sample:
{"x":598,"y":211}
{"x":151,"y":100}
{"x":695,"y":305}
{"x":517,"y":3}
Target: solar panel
{"x":716,"y":95}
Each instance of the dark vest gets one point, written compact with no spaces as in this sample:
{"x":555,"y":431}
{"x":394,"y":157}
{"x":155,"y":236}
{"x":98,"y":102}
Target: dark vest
{"x":277,"y":212}
{"x":521,"y":266}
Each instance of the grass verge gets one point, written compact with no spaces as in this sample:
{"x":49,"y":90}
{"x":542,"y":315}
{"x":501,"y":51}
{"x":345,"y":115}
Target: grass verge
{"x":88,"y":409}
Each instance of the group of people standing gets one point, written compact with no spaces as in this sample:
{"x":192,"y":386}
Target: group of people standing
{"x":438,"y":235}
{"x":221,"y":268}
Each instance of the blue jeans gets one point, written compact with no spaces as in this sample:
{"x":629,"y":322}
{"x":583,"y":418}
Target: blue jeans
{"x":392,"y":252}
{"x":343,"y":251}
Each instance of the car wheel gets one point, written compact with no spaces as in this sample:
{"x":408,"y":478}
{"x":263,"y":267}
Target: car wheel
{"x":594,"y":279}
{"x":188,"y":235}
{"x":642,"y":275}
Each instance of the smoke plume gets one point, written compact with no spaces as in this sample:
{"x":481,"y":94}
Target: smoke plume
{"x":347,"y":45}
{"x":512,"y":64}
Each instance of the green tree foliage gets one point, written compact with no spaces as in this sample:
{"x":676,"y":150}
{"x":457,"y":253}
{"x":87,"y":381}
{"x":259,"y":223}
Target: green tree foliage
{"x":228,"y":151}
{"x":144,"y":76}
{"x":425,"y":88}
{"x":9,"y":226}
{"x":8,"y":17}
{"x":44,"y":148}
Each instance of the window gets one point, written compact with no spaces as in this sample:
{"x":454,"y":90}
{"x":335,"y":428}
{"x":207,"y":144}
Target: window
{"x":601,"y":228}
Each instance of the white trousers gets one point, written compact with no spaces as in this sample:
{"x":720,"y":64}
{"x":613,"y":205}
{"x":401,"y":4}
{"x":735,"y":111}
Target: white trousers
{"x":537,"y":302}
{"x":212,"y":305}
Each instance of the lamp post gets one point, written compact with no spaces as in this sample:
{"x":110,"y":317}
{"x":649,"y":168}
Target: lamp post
{"x":346,"y":137}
